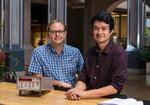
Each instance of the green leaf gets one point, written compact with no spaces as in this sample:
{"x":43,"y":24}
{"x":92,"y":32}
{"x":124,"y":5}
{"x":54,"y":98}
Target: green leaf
{"x":144,"y":54}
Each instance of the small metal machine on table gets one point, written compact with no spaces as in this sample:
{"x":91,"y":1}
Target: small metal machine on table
{"x":36,"y":84}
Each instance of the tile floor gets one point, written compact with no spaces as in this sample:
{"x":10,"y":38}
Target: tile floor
{"x":138,"y":86}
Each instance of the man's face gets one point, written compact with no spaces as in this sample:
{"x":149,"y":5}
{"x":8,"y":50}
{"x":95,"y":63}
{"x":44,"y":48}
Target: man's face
{"x":101,"y":32}
{"x":57,"y":33}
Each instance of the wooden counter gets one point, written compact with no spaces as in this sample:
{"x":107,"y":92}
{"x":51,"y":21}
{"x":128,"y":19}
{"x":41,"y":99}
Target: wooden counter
{"x":9,"y":95}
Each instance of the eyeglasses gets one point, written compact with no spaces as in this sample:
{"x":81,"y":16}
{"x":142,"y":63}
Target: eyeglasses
{"x":53,"y":32}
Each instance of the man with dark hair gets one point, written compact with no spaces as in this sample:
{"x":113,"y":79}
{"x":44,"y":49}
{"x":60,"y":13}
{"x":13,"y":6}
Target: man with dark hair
{"x":105,"y":67}
{"x":57,"y":60}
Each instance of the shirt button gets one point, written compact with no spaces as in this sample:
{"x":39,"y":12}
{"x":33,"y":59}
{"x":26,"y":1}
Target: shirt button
{"x":95,"y":78}
{"x":97,"y":66}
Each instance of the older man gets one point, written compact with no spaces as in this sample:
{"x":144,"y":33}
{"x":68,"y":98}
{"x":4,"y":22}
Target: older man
{"x":57,"y":60}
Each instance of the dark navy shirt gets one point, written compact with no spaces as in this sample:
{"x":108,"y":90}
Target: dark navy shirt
{"x":105,"y":68}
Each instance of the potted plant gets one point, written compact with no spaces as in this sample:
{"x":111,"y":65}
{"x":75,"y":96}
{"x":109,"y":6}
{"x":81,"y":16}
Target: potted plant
{"x":8,"y":73}
{"x":144,"y":55}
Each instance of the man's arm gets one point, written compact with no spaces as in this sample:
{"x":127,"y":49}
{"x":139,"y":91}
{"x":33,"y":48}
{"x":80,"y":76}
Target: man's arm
{"x":80,"y":85}
{"x":37,"y":75}
{"x":55,"y":82}
{"x":104,"y":91}
{"x":61,"y":84}
{"x":78,"y":92}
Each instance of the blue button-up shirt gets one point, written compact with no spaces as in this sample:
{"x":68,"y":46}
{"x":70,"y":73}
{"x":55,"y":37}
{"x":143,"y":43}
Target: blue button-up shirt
{"x":62,"y":67}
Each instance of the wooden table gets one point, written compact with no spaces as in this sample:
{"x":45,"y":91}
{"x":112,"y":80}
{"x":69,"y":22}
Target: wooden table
{"x":9,"y":95}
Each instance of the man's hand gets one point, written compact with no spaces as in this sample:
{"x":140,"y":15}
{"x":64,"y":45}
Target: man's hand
{"x":61,"y":84}
{"x":65,"y":85}
{"x":75,"y":94}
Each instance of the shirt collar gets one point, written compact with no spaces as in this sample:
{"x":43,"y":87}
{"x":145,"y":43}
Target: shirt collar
{"x":106,"y":50}
{"x":53,"y":50}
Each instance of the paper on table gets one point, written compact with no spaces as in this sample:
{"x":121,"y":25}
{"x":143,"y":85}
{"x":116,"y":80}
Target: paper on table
{"x":118,"y":101}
